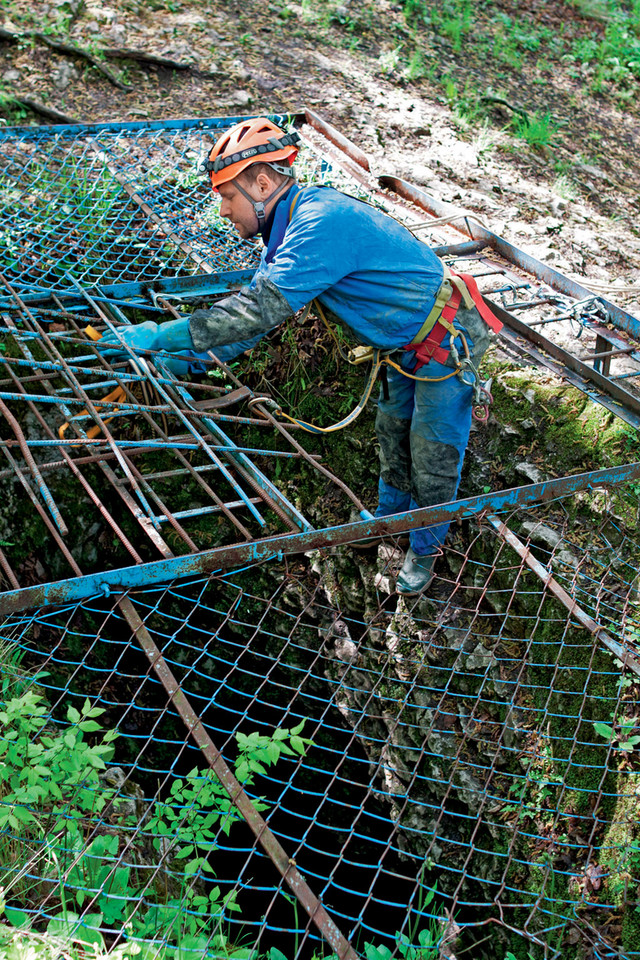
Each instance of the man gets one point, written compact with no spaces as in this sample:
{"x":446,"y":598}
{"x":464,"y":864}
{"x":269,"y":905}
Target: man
{"x":370,"y":273}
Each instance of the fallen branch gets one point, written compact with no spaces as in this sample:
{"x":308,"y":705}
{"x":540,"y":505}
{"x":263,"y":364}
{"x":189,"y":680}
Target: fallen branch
{"x":141,"y":56}
{"x":487,"y":98}
{"x":85,"y":55}
{"x":65,"y":48}
{"x":127,"y":53}
{"x":41,"y":109}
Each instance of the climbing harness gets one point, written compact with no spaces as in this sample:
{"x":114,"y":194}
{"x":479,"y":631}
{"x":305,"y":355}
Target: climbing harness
{"x":455,"y":289}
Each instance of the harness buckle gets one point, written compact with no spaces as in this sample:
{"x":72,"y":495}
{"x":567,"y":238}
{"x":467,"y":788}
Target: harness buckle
{"x":360,"y":355}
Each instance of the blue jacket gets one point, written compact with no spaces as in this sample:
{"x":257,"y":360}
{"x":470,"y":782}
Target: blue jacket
{"x":364,"y":266}
{"x":367,"y":269}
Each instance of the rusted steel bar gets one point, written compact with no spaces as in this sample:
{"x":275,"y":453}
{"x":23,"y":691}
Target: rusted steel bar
{"x":33,"y":467}
{"x":224,"y":558}
{"x":512,"y":254}
{"x":50,"y":526}
{"x":584,"y":371}
{"x":246,"y":469}
{"x":69,"y":462}
{"x":138,"y":514}
{"x":284,"y":431}
{"x":628,"y":658}
{"x":178,"y":413}
{"x":192,"y":471}
{"x":8,"y":572}
{"x":81,"y":393}
{"x":338,"y":139}
{"x":258,"y":825}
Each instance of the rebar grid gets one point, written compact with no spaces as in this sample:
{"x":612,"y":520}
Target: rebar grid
{"x":453,"y":738}
{"x":99,"y":434}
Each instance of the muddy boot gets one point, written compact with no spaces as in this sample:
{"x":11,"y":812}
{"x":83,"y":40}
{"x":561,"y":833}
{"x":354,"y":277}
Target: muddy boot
{"x":416,"y":574}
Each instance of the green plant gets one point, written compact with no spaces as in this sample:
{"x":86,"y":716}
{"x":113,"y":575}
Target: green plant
{"x":389,"y":61}
{"x":50,"y":796}
{"x":416,"y":10}
{"x":44,"y":767}
{"x":564,"y":187}
{"x":538,"y":131}
{"x":453,"y":19}
{"x":619,"y":736}
{"x":416,"y":68}
{"x":66,"y":936}
{"x":535,"y":794}
{"x":427,"y":947}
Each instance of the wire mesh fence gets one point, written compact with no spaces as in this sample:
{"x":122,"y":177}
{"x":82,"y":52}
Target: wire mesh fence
{"x":455,"y":769}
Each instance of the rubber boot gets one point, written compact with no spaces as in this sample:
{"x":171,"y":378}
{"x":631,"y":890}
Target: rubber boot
{"x":416,"y":574}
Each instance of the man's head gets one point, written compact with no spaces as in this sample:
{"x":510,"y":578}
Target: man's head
{"x":250,"y":166}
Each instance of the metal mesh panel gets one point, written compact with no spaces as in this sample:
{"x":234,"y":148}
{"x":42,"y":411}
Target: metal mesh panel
{"x":453,"y":740}
{"x":120,"y":203}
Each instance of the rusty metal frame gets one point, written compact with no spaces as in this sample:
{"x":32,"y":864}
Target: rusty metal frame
{"x":258,"y":551}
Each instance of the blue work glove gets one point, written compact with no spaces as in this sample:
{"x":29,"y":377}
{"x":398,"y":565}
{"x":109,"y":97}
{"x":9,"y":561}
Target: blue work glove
{"x":173,"y":337}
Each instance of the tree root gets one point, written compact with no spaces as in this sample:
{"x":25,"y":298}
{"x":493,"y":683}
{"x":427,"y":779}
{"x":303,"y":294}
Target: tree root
{"x":113,"y":53}
{"x":67,"y":49}
{"x":48,"y":112}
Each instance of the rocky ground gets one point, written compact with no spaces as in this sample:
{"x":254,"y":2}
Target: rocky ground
{"x":421,"y":108}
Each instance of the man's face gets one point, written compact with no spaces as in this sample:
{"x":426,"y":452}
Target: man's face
{"x":238,"y":209}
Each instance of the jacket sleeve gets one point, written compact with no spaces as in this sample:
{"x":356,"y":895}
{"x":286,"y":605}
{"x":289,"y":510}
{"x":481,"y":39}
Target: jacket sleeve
{"x":248,"y":314}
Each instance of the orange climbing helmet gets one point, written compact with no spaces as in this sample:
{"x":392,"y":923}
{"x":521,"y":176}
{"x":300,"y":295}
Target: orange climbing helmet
{"x":251,"y":141}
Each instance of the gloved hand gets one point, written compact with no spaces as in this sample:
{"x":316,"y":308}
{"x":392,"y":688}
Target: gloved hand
{"x":173,"y":336}
{"x":139,"y":336}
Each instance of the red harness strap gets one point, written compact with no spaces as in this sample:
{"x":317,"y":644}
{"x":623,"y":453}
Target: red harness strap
{"x":430,"y":348}
{"x":489,"y":318}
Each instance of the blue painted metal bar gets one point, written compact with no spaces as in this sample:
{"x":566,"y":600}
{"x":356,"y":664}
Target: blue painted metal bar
{"x":275,"y":548}
{"x":78,"y":401}
{"x":201,"y":511}
{"x":188,"y":425}
{"x":149,"y":445}
{"x":72,"y":130}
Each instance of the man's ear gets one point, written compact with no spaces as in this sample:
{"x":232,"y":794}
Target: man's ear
{"x":264,"y":184}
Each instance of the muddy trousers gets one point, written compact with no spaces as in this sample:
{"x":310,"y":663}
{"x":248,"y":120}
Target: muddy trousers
{"x":423,"y":431}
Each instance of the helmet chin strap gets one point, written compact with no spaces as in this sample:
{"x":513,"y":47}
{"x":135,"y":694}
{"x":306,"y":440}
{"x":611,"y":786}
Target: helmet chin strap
{"x":260,"y":205}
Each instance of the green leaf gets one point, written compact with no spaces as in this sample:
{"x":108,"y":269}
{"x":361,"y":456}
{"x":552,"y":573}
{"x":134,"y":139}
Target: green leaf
{"x":185,"y":852}
{"x":298,"y":729}
{"x":89,"y":726}
{"x":72,"y":715}
{"x":377,"y":953}
{"x":604,"y":730}
{"x":256,"y":767}
{"x":17,"y":918}
{"x":88,"y":930}
{"x":275,"y":954}
{"x":64,"y":925}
